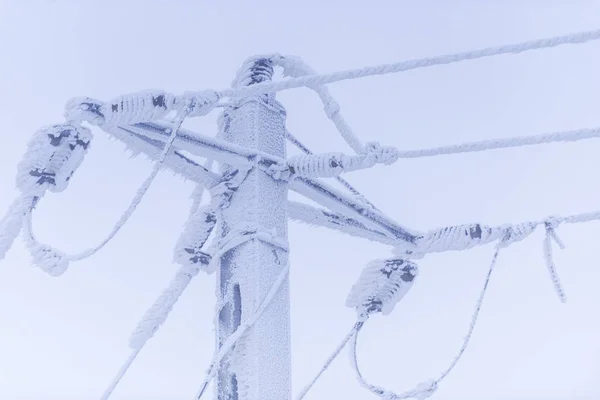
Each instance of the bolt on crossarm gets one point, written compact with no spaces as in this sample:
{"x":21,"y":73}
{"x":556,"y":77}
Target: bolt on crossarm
{"x":259,"y":367}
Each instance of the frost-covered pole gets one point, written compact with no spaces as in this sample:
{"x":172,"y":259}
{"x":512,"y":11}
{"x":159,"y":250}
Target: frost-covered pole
{"x":259,"y":367}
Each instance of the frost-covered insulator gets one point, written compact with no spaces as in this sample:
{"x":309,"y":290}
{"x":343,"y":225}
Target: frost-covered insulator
{"x":328,"y":165}
{"x":129,"y":109}
{"x":458,"y":237}
{"x":138,"y":107}
{"x":144,"y":106}
{"x":319,"y":165}
{"x":382,"y":284}
{"x":188,"y":250}
{"x":255,"y":69}
{"x":53,"y":155}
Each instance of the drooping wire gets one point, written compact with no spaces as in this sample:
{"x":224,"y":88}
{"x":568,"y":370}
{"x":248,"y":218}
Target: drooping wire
{"x":36,"y":246}
{"x":176,"y":125}
{"x":122,"y":371}
{"x":426,"y":389}
{"x":321,"y":79}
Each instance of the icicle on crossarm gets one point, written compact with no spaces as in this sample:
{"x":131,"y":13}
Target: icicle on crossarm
{"x":314,"y":80}
{"x":317,"y":191}
{"x":320,"y":217}
{"x":53,"y":154}
{"x":175,"y":160}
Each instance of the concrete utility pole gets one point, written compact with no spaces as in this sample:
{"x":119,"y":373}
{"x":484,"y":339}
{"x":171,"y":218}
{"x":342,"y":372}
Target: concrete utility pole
{"x":259,"y":368}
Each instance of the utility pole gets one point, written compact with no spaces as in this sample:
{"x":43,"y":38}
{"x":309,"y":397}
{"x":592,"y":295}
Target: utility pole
{"x":259,"y":368}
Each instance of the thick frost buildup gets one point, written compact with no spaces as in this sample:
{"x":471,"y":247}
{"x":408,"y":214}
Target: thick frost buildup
{"x":159,"y":311}
{"x":382,"y":284}
{"x":321,"y":217}
{"x":53,"y":154}
{"x":144,"y":106}
{"x":330,"y":165}
{"x":52,"y":261}
{"x":12,"y":222}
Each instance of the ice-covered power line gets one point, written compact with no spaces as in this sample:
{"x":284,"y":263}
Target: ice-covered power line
{"x":248,"y":210}
{"x":315,"y":80}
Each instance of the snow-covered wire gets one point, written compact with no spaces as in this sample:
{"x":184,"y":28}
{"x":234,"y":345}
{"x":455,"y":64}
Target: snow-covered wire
{"x":333,"y":164}
{"x":295,"y":67}
{"x":242,"y":329}
{"x":56,"y":260}
{"x":120,"y":374}
{"x":328,"y":362}
{"x":321,"y":79}
{"x":156,"y":316}
{"x":493,"y":144}
{"x":12,"y":222}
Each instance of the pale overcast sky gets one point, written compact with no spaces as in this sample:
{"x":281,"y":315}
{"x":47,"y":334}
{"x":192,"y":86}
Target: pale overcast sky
{"x":64,"y":338}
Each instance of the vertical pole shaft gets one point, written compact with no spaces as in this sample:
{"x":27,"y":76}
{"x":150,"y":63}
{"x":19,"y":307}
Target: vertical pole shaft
{"x":259,"y":367}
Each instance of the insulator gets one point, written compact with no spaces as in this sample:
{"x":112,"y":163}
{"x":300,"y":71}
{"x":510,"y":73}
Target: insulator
{"x":382,"y":284}
{"x":188,"y":250}
{"x":52,"y":156}
{"x":327,"y":165}
{"x":138,"y":107}
{"x":254,"y":70}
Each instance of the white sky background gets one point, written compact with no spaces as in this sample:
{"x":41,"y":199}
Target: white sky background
{"x":64,"y":338}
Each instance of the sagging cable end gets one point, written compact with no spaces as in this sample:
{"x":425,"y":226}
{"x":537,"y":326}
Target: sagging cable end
{"x":550,"y":225}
